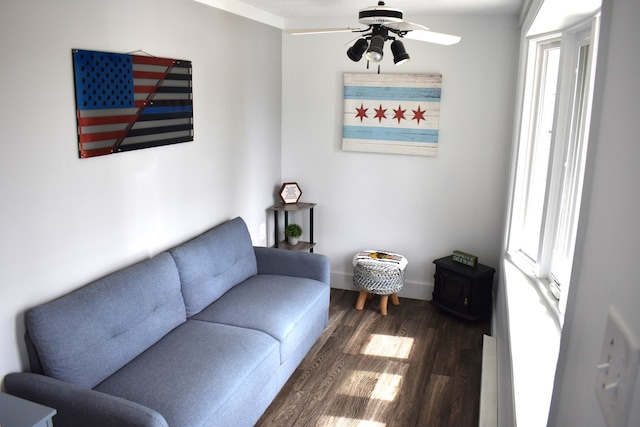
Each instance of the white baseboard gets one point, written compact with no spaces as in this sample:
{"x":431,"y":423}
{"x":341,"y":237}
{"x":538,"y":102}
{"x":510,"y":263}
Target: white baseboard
{"x":489,"y":384}
{"x":412,"y":290}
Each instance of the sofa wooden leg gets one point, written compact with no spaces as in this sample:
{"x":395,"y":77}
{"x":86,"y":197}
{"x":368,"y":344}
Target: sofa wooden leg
{"x":361,"y":299}
{"x":384,"y":299}
{"x":394,"y":299}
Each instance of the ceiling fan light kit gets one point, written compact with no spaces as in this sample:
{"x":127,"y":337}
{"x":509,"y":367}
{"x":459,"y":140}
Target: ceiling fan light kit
{"x":356,"y":51}
{"x":375,"y":52}
{"x":400,"y":55}
{"x":381,"y":21}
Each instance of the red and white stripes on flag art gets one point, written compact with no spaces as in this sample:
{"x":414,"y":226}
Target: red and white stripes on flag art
{"x":127,"y":102}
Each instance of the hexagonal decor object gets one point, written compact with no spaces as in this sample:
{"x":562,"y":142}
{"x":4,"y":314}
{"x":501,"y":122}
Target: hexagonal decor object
{"x":290,"y":192}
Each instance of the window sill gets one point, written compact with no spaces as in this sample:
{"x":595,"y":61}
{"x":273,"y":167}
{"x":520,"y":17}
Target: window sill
{"x":534,"y":338}
{"x":541,"y":286}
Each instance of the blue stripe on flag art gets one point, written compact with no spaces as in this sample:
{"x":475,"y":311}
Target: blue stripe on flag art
{"x":391,"y":113}
{"x":126,"y":102}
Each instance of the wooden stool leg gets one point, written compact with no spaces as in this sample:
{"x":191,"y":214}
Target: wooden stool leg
{"x":361,"y":299}
{"x":394,"y":299}
{"x":383,"y":304}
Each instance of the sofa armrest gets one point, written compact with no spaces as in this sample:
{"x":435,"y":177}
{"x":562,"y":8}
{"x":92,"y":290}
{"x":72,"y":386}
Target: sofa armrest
{"x":292,"y":263}
{"x":77,"y":406}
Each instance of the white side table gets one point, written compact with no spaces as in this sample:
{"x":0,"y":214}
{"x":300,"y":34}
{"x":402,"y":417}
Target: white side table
{"x":17,"y":412}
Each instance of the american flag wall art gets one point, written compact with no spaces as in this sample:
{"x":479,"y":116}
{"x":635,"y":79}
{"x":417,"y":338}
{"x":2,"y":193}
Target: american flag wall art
{"x":391,"y":113}
{"x":127,"y":102}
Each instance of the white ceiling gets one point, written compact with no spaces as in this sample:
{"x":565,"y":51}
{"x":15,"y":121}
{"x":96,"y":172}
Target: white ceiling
{"x":343,"y":8}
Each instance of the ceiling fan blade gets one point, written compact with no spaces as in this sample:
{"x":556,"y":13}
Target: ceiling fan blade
{"x":349,"y":43}
{"x":322,"y":31}
{"x":433,"y":37}
{"x":422,"y":33}
{"x":405,"y":26}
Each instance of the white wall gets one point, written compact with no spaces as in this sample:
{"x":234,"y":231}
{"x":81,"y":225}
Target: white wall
{"x":422,"y":207}
{"x":66,"y":221}
{"x":605,"y":267}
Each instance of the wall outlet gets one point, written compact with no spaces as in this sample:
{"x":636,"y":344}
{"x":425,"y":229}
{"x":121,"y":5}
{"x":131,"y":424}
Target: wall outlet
{"x":617,"y":370}
{"x":263,"y":231}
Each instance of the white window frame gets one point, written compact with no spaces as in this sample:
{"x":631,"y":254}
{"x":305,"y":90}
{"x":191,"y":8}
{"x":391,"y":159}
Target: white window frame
{"x":566,"y":159}
{"x":531,"y":136}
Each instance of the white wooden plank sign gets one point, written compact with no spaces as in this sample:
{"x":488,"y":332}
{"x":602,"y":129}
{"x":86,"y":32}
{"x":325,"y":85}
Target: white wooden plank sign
{"x":392,"y":113}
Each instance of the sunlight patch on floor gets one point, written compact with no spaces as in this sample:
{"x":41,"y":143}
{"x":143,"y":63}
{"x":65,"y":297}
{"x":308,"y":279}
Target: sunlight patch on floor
{"x":372,"y":385}
{"x":389,"y":346}
{"x":347,"y":422}
{"x":387,"y":387}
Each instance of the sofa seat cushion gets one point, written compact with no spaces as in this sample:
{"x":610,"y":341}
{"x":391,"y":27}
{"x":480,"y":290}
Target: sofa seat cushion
{"x":89,"y":334}
{"x":285,"y":307}
{"x":212,"y":263}
{"x":197,"y":371}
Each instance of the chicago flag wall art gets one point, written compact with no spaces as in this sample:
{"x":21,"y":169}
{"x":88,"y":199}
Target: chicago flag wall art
{"x":391,"y":113}
{"x":126,"y":102}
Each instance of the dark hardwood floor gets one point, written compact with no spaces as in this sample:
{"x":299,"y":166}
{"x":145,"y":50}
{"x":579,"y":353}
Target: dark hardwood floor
{"x":417,"y":366}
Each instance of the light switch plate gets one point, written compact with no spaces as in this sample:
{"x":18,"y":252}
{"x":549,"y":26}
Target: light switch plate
{"x":617,"y":370}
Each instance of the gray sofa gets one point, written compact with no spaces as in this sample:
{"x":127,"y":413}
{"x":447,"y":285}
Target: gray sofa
{"x":205,"y":334}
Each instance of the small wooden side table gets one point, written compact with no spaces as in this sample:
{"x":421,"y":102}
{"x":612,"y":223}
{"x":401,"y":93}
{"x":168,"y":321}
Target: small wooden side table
{"x":292,"y":207}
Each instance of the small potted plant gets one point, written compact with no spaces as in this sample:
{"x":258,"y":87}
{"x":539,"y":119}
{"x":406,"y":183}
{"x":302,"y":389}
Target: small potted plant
{"x":293,"y":232}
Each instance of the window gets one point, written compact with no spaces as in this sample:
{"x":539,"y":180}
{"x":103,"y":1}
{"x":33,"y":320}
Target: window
{"x":551,"y":156}
{"x":539,"y":149}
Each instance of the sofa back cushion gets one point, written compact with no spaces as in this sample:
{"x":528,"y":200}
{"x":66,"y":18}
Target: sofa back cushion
{"x":213,"y":263}
{"x":87,"y":335}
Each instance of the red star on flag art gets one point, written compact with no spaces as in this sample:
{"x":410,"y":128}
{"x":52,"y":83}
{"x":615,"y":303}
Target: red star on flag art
{"x":380,"y":113}
{"x":399,"y":114}
{"x":361,"y":112}
{"x":418,"y":115}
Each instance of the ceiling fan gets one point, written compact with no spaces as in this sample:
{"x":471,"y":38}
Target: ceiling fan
{"x":384,"y":23}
